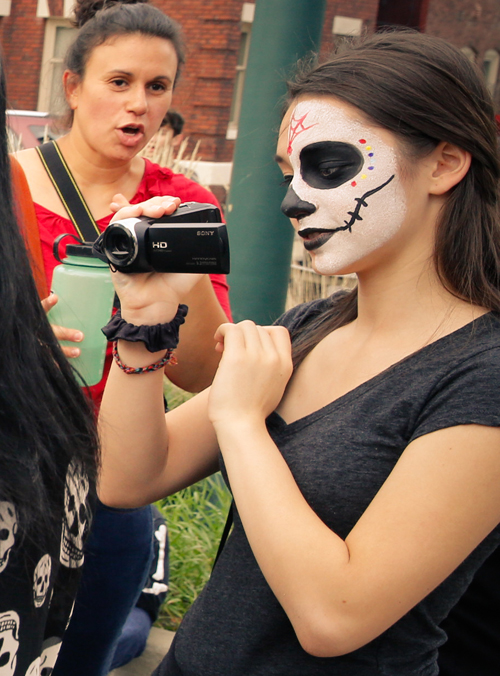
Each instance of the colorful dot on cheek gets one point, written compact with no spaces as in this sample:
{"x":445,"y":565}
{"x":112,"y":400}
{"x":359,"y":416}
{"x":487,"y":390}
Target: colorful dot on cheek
{"x":368,"y":147}
{"x":362,"y":140}
{"x":370,"y":168}
{"x":354,"y":184}
{"x":363,"y":176}
{"x":370,"y":154}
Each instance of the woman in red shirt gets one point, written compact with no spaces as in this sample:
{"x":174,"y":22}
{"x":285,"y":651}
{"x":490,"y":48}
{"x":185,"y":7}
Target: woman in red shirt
{"x":118,"y":83}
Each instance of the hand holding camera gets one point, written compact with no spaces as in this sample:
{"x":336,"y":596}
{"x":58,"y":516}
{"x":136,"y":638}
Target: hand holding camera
{"x":191,"y":240}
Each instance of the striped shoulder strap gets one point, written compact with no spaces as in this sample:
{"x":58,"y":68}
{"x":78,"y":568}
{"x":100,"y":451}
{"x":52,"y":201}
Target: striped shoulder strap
{"x":68,"y":191}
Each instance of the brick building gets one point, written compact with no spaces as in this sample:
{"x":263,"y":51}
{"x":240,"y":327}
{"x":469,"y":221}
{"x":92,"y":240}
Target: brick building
{"x":35,"y":33}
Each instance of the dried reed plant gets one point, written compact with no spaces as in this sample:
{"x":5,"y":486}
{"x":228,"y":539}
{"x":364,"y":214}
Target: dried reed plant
{"x":15,"y":141}
{"x":305,"y":284}
{"x":160,"y":151}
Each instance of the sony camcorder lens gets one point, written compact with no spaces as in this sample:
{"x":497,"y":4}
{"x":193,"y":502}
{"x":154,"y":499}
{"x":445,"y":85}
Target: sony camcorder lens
{"x":120,"y":245}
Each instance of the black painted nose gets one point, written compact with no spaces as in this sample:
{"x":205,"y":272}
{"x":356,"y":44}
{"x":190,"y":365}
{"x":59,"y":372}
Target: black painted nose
{"x":293,"y":207}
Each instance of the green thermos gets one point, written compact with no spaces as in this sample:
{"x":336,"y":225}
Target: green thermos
{"x":85,"y":290}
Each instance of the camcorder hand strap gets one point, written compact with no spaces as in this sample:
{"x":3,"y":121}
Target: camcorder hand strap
{"x":68,"y":190}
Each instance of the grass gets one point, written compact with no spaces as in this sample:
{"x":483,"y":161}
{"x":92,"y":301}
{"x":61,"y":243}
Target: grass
{"x":195,"y":518}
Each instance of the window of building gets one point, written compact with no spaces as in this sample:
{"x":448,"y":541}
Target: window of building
{"x":469,"y":53}
{"x":247,"y":15}
{"x":59,"y":34}
{"x":490,"y":69}
{"x":411,"y":13}
{"x":5,"y":7}
{"x":347,"y":26}
{"x":43,"y":9}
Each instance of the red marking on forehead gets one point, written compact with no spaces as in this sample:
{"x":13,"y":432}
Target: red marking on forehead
{"x":295,"y":128}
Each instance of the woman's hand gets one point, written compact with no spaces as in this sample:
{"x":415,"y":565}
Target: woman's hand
{"x":255,"y":368}
{"x":153,"y":207}
{"x":149,"y":297}
{"x":61,"y":332}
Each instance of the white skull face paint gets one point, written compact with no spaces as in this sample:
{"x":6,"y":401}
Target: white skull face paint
{"x":76,"y":517}
{"x":9,"y":642}
{"x":8,"y":530}
{"x":346,"y":191}
{"x":41,"y":580}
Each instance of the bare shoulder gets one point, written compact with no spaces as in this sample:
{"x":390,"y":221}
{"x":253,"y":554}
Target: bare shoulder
{"x":28,"y":159}
{"x":32,"y":166}
{"x":41,"y":188}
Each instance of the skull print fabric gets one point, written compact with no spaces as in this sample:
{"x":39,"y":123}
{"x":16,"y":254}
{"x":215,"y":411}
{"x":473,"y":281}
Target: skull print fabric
{"x":9,"y":642}
{"x":345,"y":191}
{"x":76,"y":518}
{"x":37,"y":588}
{"x":8,"y":530}
{"x":41,"y":581}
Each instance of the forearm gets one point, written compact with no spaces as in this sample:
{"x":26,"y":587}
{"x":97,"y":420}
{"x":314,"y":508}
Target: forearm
{"x":143,"y":456}
{"x":146,"y":454}
{"x":196,"y":356}
{"x":132,"y":430}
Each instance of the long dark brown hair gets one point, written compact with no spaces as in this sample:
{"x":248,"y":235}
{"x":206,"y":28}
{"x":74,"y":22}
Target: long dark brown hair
{"x":424,"y":91}
{"x":46,"y":422}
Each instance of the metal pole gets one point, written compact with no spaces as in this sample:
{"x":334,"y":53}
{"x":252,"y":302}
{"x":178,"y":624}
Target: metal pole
{"x":260,"y":236}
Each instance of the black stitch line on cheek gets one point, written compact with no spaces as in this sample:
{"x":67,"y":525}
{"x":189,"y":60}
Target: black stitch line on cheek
{"x":361,"y":202}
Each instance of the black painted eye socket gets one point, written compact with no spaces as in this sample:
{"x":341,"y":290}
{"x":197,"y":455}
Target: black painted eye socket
{"x":329,"y":164}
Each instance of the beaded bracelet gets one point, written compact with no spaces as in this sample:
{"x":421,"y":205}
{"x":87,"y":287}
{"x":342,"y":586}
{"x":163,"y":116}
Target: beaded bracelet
{"x":169,"y":358}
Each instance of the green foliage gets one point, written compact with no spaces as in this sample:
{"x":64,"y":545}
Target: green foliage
{"x":195,"y":517}
{"x":174,"y":395}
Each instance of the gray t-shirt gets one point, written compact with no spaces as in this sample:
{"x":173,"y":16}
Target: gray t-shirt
{"x":340,"y":456}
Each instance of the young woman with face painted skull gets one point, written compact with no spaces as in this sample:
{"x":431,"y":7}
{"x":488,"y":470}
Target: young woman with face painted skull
{"x":365,"y":477}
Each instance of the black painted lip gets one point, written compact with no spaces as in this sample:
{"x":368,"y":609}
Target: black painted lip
{"x":317,"y":238}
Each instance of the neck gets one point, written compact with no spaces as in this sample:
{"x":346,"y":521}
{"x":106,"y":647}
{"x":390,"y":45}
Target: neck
{"x":410,"y":303}
{"x":400,"y":292}
{"x":99,"y":177}
{"x":92,"y":169}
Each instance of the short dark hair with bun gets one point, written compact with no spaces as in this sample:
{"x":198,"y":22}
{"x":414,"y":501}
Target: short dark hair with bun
{"x":100,"y":20}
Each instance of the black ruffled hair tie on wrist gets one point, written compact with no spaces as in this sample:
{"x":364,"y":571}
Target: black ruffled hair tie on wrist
{"x":155,"y":338}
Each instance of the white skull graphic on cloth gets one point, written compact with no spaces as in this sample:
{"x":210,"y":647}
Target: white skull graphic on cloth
{"x":34,"y":669}
{"x":9,"y":642}
{"x":8,"y":530}
{"x":41,"y":580}
{"x":48,"y":659}
{"x":44,"y":665}
{"x":76,"y":517}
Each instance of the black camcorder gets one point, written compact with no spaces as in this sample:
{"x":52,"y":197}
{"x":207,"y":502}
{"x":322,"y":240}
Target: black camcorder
{"x":192,"y":239}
